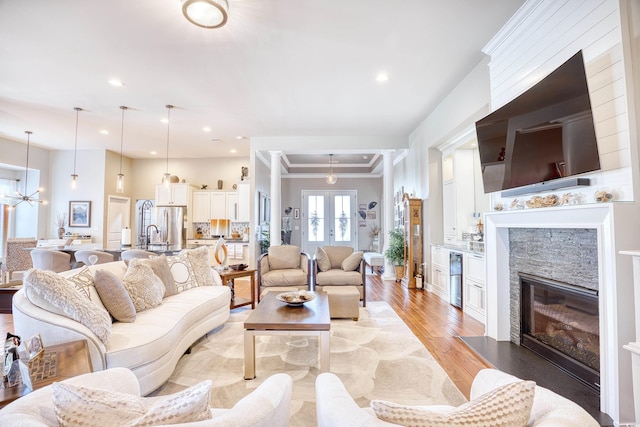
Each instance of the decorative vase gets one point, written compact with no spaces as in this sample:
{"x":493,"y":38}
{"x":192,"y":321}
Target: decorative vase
{"x":60,"y":232}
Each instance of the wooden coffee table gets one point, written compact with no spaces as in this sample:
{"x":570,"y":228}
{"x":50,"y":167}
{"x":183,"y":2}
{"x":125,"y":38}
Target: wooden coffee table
{"x":274,"y":317}
{"x":71,"y":359}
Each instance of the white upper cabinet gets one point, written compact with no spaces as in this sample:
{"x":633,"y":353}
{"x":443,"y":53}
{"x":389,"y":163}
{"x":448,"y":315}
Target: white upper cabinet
{"x":173,"y":195}
{"x":244,"y":201}
{"x":232,"y":206}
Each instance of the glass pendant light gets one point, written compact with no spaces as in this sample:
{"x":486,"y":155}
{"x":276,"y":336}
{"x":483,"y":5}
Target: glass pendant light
{"x":74,"y":175}
{"x":166,"y":178}
{"x":331,"y":178}
{"x":120,"y":177}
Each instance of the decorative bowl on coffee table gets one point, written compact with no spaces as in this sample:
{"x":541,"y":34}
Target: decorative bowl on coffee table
{"x":295,"y":298}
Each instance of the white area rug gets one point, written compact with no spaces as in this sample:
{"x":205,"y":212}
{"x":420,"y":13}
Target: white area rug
{"x":377,"y":357}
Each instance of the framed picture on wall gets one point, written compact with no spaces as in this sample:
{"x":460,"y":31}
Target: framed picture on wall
{"x":79,"y":214}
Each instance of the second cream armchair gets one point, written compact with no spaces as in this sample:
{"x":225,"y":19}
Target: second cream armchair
{"x":284,"y":266}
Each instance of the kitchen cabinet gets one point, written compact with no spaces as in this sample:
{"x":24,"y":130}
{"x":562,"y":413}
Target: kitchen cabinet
{"x":458,"y":194}
{"x":232,"y":206}
{"x":174,"y":195}
{"x":439,"y":283}
{"x":208,"y":205}
{"x":244,"y":201}
{"x":474,"y":286}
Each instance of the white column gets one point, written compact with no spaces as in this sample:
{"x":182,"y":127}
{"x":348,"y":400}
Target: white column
{"x":388,"y":208}
{"x":276,"y":196}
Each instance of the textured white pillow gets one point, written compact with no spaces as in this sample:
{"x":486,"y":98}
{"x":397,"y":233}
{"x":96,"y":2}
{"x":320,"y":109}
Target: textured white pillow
{"x":144,"y":287}
{"x":352,"y":262}
{"x":201,"y":265}
{"x":79,"y":406}
{"x":182,"y":272}
{"x":324,"y":264}
{"x":160,"y":267}
{"x":506,"y":406}
{"x":84,"y":282}
{"x":67,"y":300}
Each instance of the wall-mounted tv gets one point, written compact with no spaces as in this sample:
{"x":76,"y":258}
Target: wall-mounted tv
{"x":544,"y":134}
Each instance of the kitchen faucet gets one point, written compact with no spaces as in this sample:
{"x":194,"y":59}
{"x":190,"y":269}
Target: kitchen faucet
{"x":149,"y":235}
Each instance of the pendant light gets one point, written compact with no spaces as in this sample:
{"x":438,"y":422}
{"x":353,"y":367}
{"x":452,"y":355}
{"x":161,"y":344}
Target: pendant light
{"x":331,"y":178}
{"x":23,"y":197}
{"x":74,"y":175}
{"x":166,"y":178}
{"x":120,"y":177}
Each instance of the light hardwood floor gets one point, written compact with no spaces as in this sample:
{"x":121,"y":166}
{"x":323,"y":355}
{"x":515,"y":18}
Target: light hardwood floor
{"x":436,"y":323}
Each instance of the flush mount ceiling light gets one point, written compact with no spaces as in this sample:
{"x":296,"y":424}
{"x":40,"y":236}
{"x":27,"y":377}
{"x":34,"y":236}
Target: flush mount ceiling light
{"x":166,"y":178}
{"x":19,"y":197}
{"x":206,"y":13}
{"x":120,"y":176}
{"x":331,"y":178}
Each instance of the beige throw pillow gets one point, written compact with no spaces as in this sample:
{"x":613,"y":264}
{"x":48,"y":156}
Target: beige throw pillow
{"x":324,"y":264}
{"x":144,"y":287}
{"x":352,"y":262}
{"x":201,"y":264}
{"x":79,"y":406}
{"x":182,"y":272}
{"x":506,"y":406}
{"x":46,"y":286}
{"x":83,"y":281}
{"x":284,"y":257}
{"x":160,"y":267}
{"x":114,"y":296}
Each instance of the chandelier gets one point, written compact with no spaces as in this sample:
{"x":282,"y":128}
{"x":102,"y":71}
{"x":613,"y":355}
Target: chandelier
{"x":206,"y":13}
{"x":20,"y":197}
{"x":331,"y":178}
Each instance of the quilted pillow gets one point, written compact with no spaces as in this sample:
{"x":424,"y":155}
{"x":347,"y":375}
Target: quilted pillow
{"x":144,"y":287}
{"x":508,"y":406}
{"x":160,"y":268}
{"x":115,"y":296}
{"x":182,"y":272}
{"x":68,"y":301}
{"x":322,"y":259}
{"x":80,"y":406}
{"x":201,"y":265}
{"x":352,"y":262}
{"x":284,"y":257}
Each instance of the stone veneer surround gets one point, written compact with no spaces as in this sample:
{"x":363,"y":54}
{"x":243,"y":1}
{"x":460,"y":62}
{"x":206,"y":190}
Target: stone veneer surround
{"x":617,"y":227}
{"x":568,"y":255}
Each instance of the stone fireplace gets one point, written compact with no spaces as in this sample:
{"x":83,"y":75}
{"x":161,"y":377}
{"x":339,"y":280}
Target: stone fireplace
{"x":569,"y":244}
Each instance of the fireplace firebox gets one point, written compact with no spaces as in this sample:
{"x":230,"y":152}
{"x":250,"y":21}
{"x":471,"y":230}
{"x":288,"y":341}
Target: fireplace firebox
{"x":560,"y":322}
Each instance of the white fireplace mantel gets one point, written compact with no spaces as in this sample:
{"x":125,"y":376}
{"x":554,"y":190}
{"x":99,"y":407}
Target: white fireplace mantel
{"x":618,"y":228}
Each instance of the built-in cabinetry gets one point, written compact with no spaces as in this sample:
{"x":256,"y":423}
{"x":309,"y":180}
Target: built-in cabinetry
{"x":458,"y":204}
{"x":244,"y":201}
{"x":439,"y":283}
{"x":474,"y":290}
{"x":208,"y":205}
{"x":413,"y":243}
{"x":173,"y":195}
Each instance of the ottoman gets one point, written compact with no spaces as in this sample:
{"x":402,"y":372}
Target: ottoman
{"x":344,"y":301}
{"x":373,"y":259}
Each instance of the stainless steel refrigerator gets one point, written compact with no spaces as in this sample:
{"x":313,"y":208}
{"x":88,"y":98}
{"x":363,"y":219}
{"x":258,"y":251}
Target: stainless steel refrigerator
{"x":171,"y":234}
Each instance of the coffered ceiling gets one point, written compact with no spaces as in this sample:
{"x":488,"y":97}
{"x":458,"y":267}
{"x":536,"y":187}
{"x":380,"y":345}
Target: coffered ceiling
{"x":278,"y":68}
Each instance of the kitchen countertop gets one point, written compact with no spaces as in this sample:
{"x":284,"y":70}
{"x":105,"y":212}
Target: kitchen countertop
{"x":215,"y":239}
{"x":462,"y":247}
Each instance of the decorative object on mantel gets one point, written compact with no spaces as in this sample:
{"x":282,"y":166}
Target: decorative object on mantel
{"x":220,"y":184}
{"x":498,"y":207}
{"x":603,"y":196}
{"x":60,"y":222}
{"x":516,"y":204}
{"x":204,"y":186}
{"x":542,"y":202}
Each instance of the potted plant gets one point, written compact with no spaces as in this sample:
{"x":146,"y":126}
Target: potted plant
{"x":395,"y":251}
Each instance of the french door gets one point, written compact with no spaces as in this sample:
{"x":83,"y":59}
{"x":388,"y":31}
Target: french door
{"x":328,"y":219}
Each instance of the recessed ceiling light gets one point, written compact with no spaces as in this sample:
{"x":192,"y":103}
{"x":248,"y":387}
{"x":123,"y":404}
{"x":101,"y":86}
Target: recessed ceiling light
{"x":206,"y":129}
{"x":104,"y":131}
{"x":382,"y":77}
{"x":116,"y":82}
{"x":233,"y":151}
{"x":153,"y":153}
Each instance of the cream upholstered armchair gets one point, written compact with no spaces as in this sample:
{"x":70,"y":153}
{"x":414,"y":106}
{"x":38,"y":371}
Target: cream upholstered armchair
{"x":18,"y":259}
{"x":340,"y":266}
{"x":284,"y":266}
{"x":45,"y":259}
{"x":102,"y":257}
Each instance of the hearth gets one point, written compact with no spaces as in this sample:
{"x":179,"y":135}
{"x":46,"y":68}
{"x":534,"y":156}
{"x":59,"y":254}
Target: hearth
{"x":560,"y":322}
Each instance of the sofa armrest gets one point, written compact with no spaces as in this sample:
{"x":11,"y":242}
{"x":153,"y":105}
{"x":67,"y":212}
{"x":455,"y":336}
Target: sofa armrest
{"x":549,"y":409}
{"x":335,"y":407}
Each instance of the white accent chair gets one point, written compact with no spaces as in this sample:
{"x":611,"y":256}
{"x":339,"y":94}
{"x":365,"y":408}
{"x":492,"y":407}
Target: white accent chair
{"x":130,"y":254}
{"x":266,"y":406}
{"x":45,"y":259}
{"x":83,"y":257}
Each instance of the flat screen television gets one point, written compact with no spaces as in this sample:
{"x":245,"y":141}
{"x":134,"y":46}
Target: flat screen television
{"x":545,"y":134}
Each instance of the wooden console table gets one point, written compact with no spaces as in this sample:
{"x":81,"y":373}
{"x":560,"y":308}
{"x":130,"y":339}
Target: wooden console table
{"x":228,"y":278}
{"x":72,"y":359}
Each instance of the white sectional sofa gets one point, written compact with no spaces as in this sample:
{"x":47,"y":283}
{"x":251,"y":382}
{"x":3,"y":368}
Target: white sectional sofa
{"x":150,"y":346}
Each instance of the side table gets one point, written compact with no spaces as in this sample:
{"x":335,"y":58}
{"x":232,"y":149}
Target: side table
{"x":71,"y":359}
{"x":228,"y":278}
